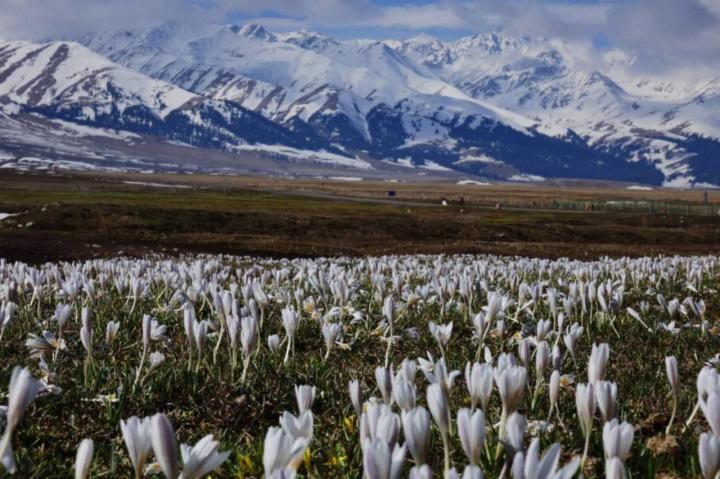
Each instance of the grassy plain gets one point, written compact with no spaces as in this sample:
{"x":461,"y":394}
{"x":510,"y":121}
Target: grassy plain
{"x":83,"y":216}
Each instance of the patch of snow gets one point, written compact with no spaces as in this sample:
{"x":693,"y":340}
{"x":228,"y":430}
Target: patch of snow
{"x":473,"y":182}
{"x":405,"y":162}
{"x":431,"y":165}
{"x":180,"y":143}
{"x":478,"y":159}
{"x":308,"y":155}
{"x":679,"y":182}
{"x":156,"y":185}
{"x":709,"y":186}
{"x":4,"y":216}
{"x":639,"y":188}
{"x":526,"y":178}
{"x":345,"y":178}
{"x":82,"y":130}
{"x":31,"y":163}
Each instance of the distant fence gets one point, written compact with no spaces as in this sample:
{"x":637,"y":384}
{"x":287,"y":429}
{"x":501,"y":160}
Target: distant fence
{"x":620,"y":205}
{"x":644,"y":206}
{"x":624,"y":206}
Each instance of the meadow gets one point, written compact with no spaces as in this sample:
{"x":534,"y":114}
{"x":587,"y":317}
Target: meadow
{"x":74,"y":216}
{"x":380,"y":367}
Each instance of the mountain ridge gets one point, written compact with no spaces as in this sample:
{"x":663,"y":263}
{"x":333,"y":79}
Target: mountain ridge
{"x":534,"y":84}
{"x":488,"y":105}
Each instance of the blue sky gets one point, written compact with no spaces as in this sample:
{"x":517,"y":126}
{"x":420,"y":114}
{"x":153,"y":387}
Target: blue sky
{"x":654,"y":31}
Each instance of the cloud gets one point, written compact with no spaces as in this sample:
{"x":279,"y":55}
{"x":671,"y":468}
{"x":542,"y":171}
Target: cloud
{"x":663,"y":32}
{"x":418,"y":17}
{"x":658,"y":33}
{"x":41,"y":19}
{"x":661,"y":35}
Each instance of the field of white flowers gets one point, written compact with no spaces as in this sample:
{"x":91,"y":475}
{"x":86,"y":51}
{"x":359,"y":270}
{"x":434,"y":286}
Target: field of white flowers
{"x":399,"y":366}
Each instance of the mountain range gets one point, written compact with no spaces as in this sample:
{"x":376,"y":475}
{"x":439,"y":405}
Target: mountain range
{"x":244,"y":99}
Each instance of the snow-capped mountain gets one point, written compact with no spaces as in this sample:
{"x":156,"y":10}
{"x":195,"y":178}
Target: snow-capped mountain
{"x":492,"y":105}
{"x":68,"y":90}
{"x":673,"y":125}
{"x":361,"y":95}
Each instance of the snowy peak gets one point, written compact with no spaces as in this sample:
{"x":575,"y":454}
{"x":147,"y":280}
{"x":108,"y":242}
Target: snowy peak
{"x":301,"y":75}
{"x":64,"y":83}
{"x":494,"y":43}
{"x":59,"y":73}
{"x":531,"y":105}
{"x":310,"y":40}
{"x":254,"y":31}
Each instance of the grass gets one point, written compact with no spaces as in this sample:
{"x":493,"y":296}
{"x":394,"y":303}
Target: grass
{"x":81,"y":218}
{"x":214,"y":401}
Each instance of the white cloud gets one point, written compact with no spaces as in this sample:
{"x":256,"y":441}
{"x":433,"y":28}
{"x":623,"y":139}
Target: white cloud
{"x":665,"y":32}
{"x":418,"y":17}
{"x":39,"y":19}
{"x":658,"y":33}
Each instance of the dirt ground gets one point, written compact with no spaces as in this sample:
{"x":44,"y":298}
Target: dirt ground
{"x":82,"y":216}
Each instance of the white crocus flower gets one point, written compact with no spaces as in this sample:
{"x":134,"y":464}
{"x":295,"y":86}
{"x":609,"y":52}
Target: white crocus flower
{"x":83,"y":459}
{"x":585,"y":403}
{"x":136,"y":434}
{"x":598,"y":362}
{"x":202,"y":458}
{"x":471,"y":429}
{"x":164,"y":446}
{"x":22,"y":391}
{"x":416,"y":427}
{"x":281,"y":451}
{"x":305,"y":396}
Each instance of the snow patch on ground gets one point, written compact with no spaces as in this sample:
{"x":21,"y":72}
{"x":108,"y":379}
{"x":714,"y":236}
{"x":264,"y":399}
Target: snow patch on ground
{"x":345,"y":178}
{"x":526,"y":178}
{"x":478,"y":159}
{"x":404,"y":162}
{"x":307,"y":155}
{"x":4,"y":216}
{"x":679,"y":182}
{"x":156,"y":185}
{"x":180,"y":143}
{"x":431,"y":165}
{"x":709,"y":186}
{"x":82,"y":130}
{"x":473,"y":182}
{"x":31,"y":163}
{"x":639,"y":188}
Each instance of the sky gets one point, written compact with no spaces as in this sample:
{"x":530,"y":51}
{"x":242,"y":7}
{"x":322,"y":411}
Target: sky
{"x":658,"y":33}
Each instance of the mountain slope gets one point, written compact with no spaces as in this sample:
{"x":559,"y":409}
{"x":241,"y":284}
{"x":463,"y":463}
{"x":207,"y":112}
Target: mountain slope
{"x":68,"y":82}
{"x":363,"y":96}
{"x":661,"y":122}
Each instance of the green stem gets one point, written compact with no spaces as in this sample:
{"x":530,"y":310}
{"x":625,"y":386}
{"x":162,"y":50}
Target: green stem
{"x":446,"y":455}
{"x":245,"y":369}
{"x":672,"y":417}
{"x":692,"y":416}
{"x":387,"y":351}
{"x":219,"y":341}
{"x":142,"y":363}
{"x":287,"y":351}
{"x":585,"y":450}
{"x":501,"y":433}
{"x":5,"y":442}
